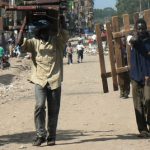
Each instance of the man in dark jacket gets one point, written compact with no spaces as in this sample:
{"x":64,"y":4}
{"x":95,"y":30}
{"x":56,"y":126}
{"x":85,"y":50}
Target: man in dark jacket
{"x":140,"y":75}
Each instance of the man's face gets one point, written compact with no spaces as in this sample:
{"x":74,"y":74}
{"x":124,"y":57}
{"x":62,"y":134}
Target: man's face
{"x":44,"y":34}
{"x":141,"y":28}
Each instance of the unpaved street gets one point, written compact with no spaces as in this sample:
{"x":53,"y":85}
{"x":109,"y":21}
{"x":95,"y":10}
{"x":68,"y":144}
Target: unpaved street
{"x":89,"y":119}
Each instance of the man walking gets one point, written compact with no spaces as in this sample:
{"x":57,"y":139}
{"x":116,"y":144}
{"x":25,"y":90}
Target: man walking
{"x":47,"y":74}
{"x":140,"y":76}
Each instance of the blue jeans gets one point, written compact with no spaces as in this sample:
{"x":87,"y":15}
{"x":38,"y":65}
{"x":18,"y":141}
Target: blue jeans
{"x":53,"y":105}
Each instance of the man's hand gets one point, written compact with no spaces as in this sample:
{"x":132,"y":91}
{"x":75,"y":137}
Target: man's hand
{"x":147,"y":80}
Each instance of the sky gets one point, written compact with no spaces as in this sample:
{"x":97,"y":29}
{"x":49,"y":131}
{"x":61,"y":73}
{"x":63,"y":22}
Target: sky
{"x":101,"y":4}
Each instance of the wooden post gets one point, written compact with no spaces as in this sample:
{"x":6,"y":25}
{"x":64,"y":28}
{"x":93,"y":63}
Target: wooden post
{"x":115,"y":24}
{"x":147,"y":18}
{"x":126,"y":22}
{"x":136,"y":17}
{"x":111,"y":56}
{"x":1,"y":23}
{"x":101,"y":58}
{"x":118,"y":55}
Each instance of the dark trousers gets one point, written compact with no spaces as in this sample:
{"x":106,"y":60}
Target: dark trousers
{"x":80,"y":55}
{"x":125,"y":88}
{"x":70,"y":58}
{"x":53,"y":105}
{"x":141,"y":106}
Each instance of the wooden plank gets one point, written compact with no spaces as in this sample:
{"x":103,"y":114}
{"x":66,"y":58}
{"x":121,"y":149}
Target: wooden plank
{"x":1,"y":23}
{"x":120,"y":33}
{"x":147,"y":18}
{"x":118,"y":55}
{"x":115,"y":24}
{"x":106,"y":75}
{"x":135,"y":17}
{"x":122,"y":69}
{"x":126,"y":21}
{"x":111,"y":56}
{"x":101,"y":58}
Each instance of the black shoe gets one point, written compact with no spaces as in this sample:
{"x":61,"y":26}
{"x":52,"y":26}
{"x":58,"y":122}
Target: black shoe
{"x":38,"y":141}
{"x":50,"y":141}
{"x":125,"y":96}
{"x":121,"y":95}
{"x":144,"y":134}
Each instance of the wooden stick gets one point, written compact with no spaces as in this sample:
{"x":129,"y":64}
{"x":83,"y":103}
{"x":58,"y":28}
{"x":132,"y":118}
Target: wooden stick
{"x":32,"y":8}
{"x":111,"y":56}
{"x":118,"y":54}
{"x":101,"y":59}
{"x":43,"y":2}
{"x":147,"y":18}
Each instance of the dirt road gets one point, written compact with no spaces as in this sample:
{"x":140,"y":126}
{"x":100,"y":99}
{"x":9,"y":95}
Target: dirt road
{"x":89,"y":119}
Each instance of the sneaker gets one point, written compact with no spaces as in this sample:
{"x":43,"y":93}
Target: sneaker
{"x":38,"y":141}
{"x":50,"y":141}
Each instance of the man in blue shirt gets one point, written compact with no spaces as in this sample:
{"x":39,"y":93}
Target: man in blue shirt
{"x":140,"y":75}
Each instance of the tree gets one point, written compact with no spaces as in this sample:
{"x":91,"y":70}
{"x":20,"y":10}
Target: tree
{"x":130,"y":7}
{"x":100,"y":15}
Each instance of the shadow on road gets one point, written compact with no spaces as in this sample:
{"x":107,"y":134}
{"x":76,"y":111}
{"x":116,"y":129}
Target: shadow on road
{"x":82,"y":93}
{"x":71,"y":136}
{"x":76,"y":63}
{"x":6,"y":79}
{"x":106,"y":138}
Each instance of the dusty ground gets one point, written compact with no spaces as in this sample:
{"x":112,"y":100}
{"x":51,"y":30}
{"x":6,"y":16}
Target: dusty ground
{"x":89,"y":119}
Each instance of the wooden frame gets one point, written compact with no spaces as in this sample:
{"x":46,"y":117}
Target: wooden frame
{"x":114,"y":35}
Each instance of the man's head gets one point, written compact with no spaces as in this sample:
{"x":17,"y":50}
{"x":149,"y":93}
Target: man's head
{"x":43,"y":29}
{"x":141,"y":27}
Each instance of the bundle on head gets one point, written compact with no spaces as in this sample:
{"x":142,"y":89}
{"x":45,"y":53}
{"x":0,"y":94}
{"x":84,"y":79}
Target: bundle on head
{"x":36,"y":10}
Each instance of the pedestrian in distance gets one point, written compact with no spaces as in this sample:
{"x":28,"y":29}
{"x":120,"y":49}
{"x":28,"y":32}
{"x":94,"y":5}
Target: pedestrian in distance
{"x":80,"y":49}
{"x":69,"y":51}
{"x":1,"y":57}
{"x":47,"y":74}
{"x":11,"y":45}
{"x":125,"y":87}
{"x":140,"y":76}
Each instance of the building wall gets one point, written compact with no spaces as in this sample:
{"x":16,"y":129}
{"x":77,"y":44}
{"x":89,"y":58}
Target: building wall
{"x":84,"y":11}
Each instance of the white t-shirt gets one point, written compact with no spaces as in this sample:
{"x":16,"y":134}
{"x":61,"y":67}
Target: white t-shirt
{"x":80,"y":47}
{"x":94,"y":37}
{"x":128,"y":39}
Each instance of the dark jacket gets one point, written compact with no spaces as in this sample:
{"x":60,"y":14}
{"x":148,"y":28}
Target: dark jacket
{"x":140,"y":59}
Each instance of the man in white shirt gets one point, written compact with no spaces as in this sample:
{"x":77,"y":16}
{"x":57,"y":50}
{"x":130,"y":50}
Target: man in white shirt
{"x":80,"y":49}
